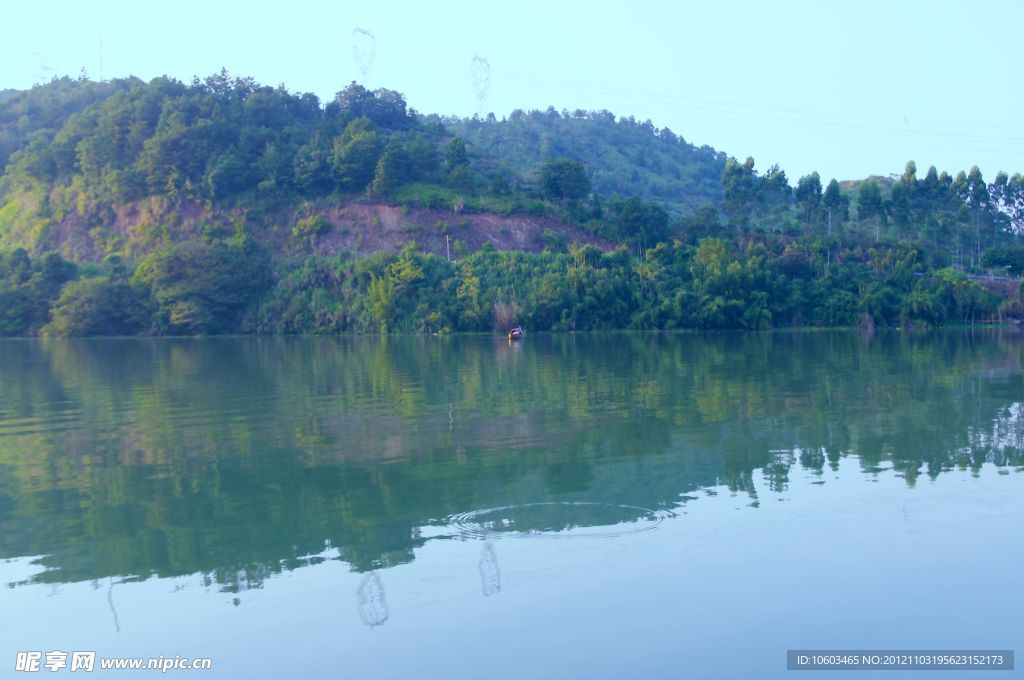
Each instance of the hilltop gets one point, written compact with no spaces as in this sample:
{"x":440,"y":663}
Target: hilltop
{"x":622,"y":156}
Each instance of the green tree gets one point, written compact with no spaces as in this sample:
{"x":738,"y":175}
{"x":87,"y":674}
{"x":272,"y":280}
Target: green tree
{"x":393,"y":168}
{"x":385,"y":108}
{"x":564,"y":179}
{"x":775,"y":189}
{"x":973,"y":192}
{"x":229,"y":174}
{"x":422,"y":157}
{"x":203,"y":288}
{"x":455,"y":155}
{"x":808,"y":197}
{"x":836,"y":204}
{"x":870,"y":206}
{"x":355,"y":155}
{"x":704,"y":221}
{"x":18,"y":266}
{"x":638,"y":223}
{"x":99,"y":306}
{"x":740,"y":186}
{"x":1009,"y":258}
{"x":16,"y":310}
{"x":380,"y":298}
{"x":53,"y":272}
{"x":310,"y":228}
{"x":312,"y":167}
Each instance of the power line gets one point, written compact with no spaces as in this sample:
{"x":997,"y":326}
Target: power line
{"x":775,"y":118}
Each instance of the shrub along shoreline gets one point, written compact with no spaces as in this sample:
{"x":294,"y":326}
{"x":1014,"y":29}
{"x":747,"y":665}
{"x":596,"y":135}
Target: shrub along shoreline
{"x":211,"y":288}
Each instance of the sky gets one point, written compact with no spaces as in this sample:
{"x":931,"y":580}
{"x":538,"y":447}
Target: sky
{"x":847,"y":90}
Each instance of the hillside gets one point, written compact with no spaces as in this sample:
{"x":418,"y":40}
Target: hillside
{"x":622,"y":156}
{"x":223,"y":206}
{"x":94,"y":169}
{"x":361,"y":228}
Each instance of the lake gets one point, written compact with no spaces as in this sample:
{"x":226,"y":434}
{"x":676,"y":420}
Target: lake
{"x":570,"y":506}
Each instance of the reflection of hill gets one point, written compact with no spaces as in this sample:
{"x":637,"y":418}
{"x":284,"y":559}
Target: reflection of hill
{"x":240,"y":458}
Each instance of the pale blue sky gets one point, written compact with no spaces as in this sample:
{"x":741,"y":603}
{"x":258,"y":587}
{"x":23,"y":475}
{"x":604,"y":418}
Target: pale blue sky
{"x":847,"y":90}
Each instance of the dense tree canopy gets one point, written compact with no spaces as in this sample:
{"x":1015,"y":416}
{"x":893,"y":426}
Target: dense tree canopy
{"x":564,"y":179}
{"x":193,"y":208}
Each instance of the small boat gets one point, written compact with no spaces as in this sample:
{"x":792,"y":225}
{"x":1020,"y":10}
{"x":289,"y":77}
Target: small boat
{"x":516,"y":333}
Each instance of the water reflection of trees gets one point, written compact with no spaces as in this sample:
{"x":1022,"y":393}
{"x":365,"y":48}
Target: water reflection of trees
{"x":240,"y":458}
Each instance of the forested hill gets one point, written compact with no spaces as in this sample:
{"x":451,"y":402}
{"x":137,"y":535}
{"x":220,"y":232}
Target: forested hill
{"x":92,"y":169}
{"x":224,"y":206}
{"x":622,"y":156}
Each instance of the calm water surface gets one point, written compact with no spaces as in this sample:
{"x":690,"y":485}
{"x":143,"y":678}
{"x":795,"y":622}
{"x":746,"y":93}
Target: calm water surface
{"x":588,"y":506}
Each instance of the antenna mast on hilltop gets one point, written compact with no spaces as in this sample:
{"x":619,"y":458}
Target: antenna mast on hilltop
{"x":481,"y":73}
{"x":363,"y":51}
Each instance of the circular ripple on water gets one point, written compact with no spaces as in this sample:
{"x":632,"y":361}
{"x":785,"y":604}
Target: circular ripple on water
{"x":557,"y":519}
